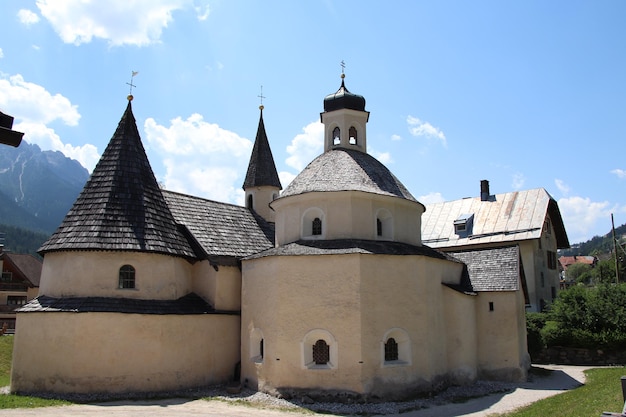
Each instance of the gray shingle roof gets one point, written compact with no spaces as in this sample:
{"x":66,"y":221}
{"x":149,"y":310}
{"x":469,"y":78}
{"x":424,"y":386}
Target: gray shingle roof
{"x":350,"y":246}
{"x":507,"y":217}
{"x":347,"y":170}
{"x":121,"y":206}
{"x":261,"y":169}
{"x":496,"y":269}
{"x":189,"y":304}
{"x":27,"y":264}
{"x":225,"y":232}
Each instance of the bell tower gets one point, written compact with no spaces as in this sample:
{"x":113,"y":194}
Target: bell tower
{"x":344,"y":120}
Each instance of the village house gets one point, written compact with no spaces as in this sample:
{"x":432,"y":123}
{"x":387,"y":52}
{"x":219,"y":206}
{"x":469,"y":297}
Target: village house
{"x":19,"y":284}
{"x":530,"y":220}
{"x":325,"y":287}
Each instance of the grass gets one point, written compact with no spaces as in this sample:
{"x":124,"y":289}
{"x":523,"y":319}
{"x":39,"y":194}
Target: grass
{"x":17,"y":401}
{"x":602,"y":392}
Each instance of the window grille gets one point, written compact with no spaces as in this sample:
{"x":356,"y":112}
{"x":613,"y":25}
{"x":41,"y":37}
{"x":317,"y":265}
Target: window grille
{"x":317,"y":226}
{"x":391,"y":350}
{"x":321,"y":352}
{"x":127,"y":277}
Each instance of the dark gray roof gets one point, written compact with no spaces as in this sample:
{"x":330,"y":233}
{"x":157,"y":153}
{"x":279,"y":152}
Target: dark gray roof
{"x":347,"y":170}
{"x":350,"y":246}
{"x":261,"y":169}
{"x":225,"y":232}
{"x":27,"y":264}
{"x":496,"y":269}
{"x":189,"y":304}
{"x":121,"y":206}
{"x":344,"y":99}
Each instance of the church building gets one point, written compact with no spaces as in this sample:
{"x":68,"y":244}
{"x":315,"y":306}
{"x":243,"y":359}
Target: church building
{"x":323,"y":287}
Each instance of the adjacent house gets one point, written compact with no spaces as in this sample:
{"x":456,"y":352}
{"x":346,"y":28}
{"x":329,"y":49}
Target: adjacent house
{"x":18,"y":285}
{"x":528,"y":219}
{"x":327,"y":287}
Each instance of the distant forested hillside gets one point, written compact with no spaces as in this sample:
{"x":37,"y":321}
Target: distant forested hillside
{"x":18,"y":240}
{"x":597,"y":244}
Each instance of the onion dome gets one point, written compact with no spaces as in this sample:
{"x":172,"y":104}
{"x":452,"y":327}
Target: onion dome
{"x":344,"y":99}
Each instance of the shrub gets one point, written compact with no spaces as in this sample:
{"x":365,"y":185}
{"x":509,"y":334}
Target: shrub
{"x":535,"y":322}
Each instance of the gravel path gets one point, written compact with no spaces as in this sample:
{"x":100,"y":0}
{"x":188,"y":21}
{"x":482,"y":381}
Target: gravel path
{"x":489,"y":398}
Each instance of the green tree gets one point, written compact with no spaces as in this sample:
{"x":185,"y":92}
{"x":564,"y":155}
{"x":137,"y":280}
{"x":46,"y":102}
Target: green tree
{"x":579,"y":273}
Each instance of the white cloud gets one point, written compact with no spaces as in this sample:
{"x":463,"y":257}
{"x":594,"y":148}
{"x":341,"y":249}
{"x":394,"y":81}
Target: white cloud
{"x":517,"y":183}
{"x":27,"y":17}
{"x":396,"y":137}
{"x":1,"y":53}
{"x":563,"y":188}
{"x":47,"y":139}
{"x":202,"y":11}
{"x":120,"y":22}
{"x":32,"y":103}
{"x":34,"y":108}
{"x":431,"y":198}
{"x":285,"y":178}
{"x":619,"y":172}
{"x":418,"y":127}
{"x":306,"y":146}
{"x":384,"y":157}
{"x":200,"y":158}
{"x":584,"y":218}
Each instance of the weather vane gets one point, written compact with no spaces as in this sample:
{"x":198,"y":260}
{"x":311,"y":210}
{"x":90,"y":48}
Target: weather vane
{"x":130,"y":93}
{"x":261,"y":96}
{"x":343,"y":67}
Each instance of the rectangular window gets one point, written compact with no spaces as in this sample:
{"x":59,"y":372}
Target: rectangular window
{"x":16,"y":300}
{"x":551,"y":259}
{"x":7,"y":276}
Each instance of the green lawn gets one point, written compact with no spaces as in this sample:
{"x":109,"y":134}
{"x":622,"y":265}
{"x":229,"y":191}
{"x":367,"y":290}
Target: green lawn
{"x":602,"y":392}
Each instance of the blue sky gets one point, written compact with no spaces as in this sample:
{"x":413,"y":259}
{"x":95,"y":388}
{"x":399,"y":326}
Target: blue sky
{"x":525,"y":94}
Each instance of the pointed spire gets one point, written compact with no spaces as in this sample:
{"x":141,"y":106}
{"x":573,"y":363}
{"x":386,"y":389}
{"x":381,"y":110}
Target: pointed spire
{"x":261,"y":169}
{"x":121,"y":206}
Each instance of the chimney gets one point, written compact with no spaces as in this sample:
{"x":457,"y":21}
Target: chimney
{"x":484,"y":190}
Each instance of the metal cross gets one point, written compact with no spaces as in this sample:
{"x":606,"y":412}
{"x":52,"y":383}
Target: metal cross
{"x":261,"y":96}
{"x":133,"y":73}
{"x":343,"y":66}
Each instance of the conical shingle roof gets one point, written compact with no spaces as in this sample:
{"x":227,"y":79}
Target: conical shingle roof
{"x":261,"y":169}
{"x":121,"y":206}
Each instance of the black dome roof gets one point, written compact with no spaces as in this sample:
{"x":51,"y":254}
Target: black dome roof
{"x":344,"y":99}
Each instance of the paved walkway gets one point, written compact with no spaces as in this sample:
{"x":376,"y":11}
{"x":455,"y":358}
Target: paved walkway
{"x":562,"y":379}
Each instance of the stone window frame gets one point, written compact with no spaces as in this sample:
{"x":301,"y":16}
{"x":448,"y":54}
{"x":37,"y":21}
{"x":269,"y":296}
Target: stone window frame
{"x":127,"y":277}
{"x":308,"y":217}
{"x":385,"y":218}
{"x":257,"y":345}
{"x":307,"y":345}
{"x":403,"y":341}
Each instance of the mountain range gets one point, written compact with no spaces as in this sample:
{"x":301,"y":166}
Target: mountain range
{"x":37,"y":188}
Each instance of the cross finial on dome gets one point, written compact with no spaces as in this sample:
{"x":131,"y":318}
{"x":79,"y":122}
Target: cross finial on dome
{"x":130,"y":93}
{"x":343,"y":67}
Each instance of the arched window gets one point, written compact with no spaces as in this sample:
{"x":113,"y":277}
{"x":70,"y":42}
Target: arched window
{"x":352,"y":135}
{"x":384,"y":224}
{"x":249,"y":204}
{"x":257,"y":346}
{"x":336,"y":136}
{"x":391,"y":350}
{"x":316,"y":227}
{"x":379,"y":227}
{"x":396,"y":348}
{"x":127,"y":277}
{"x":261,"y":348}
{"x":321,"y":352}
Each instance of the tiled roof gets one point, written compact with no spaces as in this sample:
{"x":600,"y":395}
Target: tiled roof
{"x":508,"y":217}
{"x":347,"y":170}
{"x":121,"y":206}
{"x":189,"y":304}
{"x":28,"y":265}
{"x":225,"y":232}
{"x":566,"y":261}
{"x":496,"y":269}
{"x":261,"y":169}
{"x":350,"y":246}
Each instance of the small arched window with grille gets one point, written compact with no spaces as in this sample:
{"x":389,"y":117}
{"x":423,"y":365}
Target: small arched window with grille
{"x":352,"y":135}
{"x":336,"y":136}
{"x":126,"y":277}
{"x":316,"y":227}
{"x":321,"y":352}
{"x":391,"y":350}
